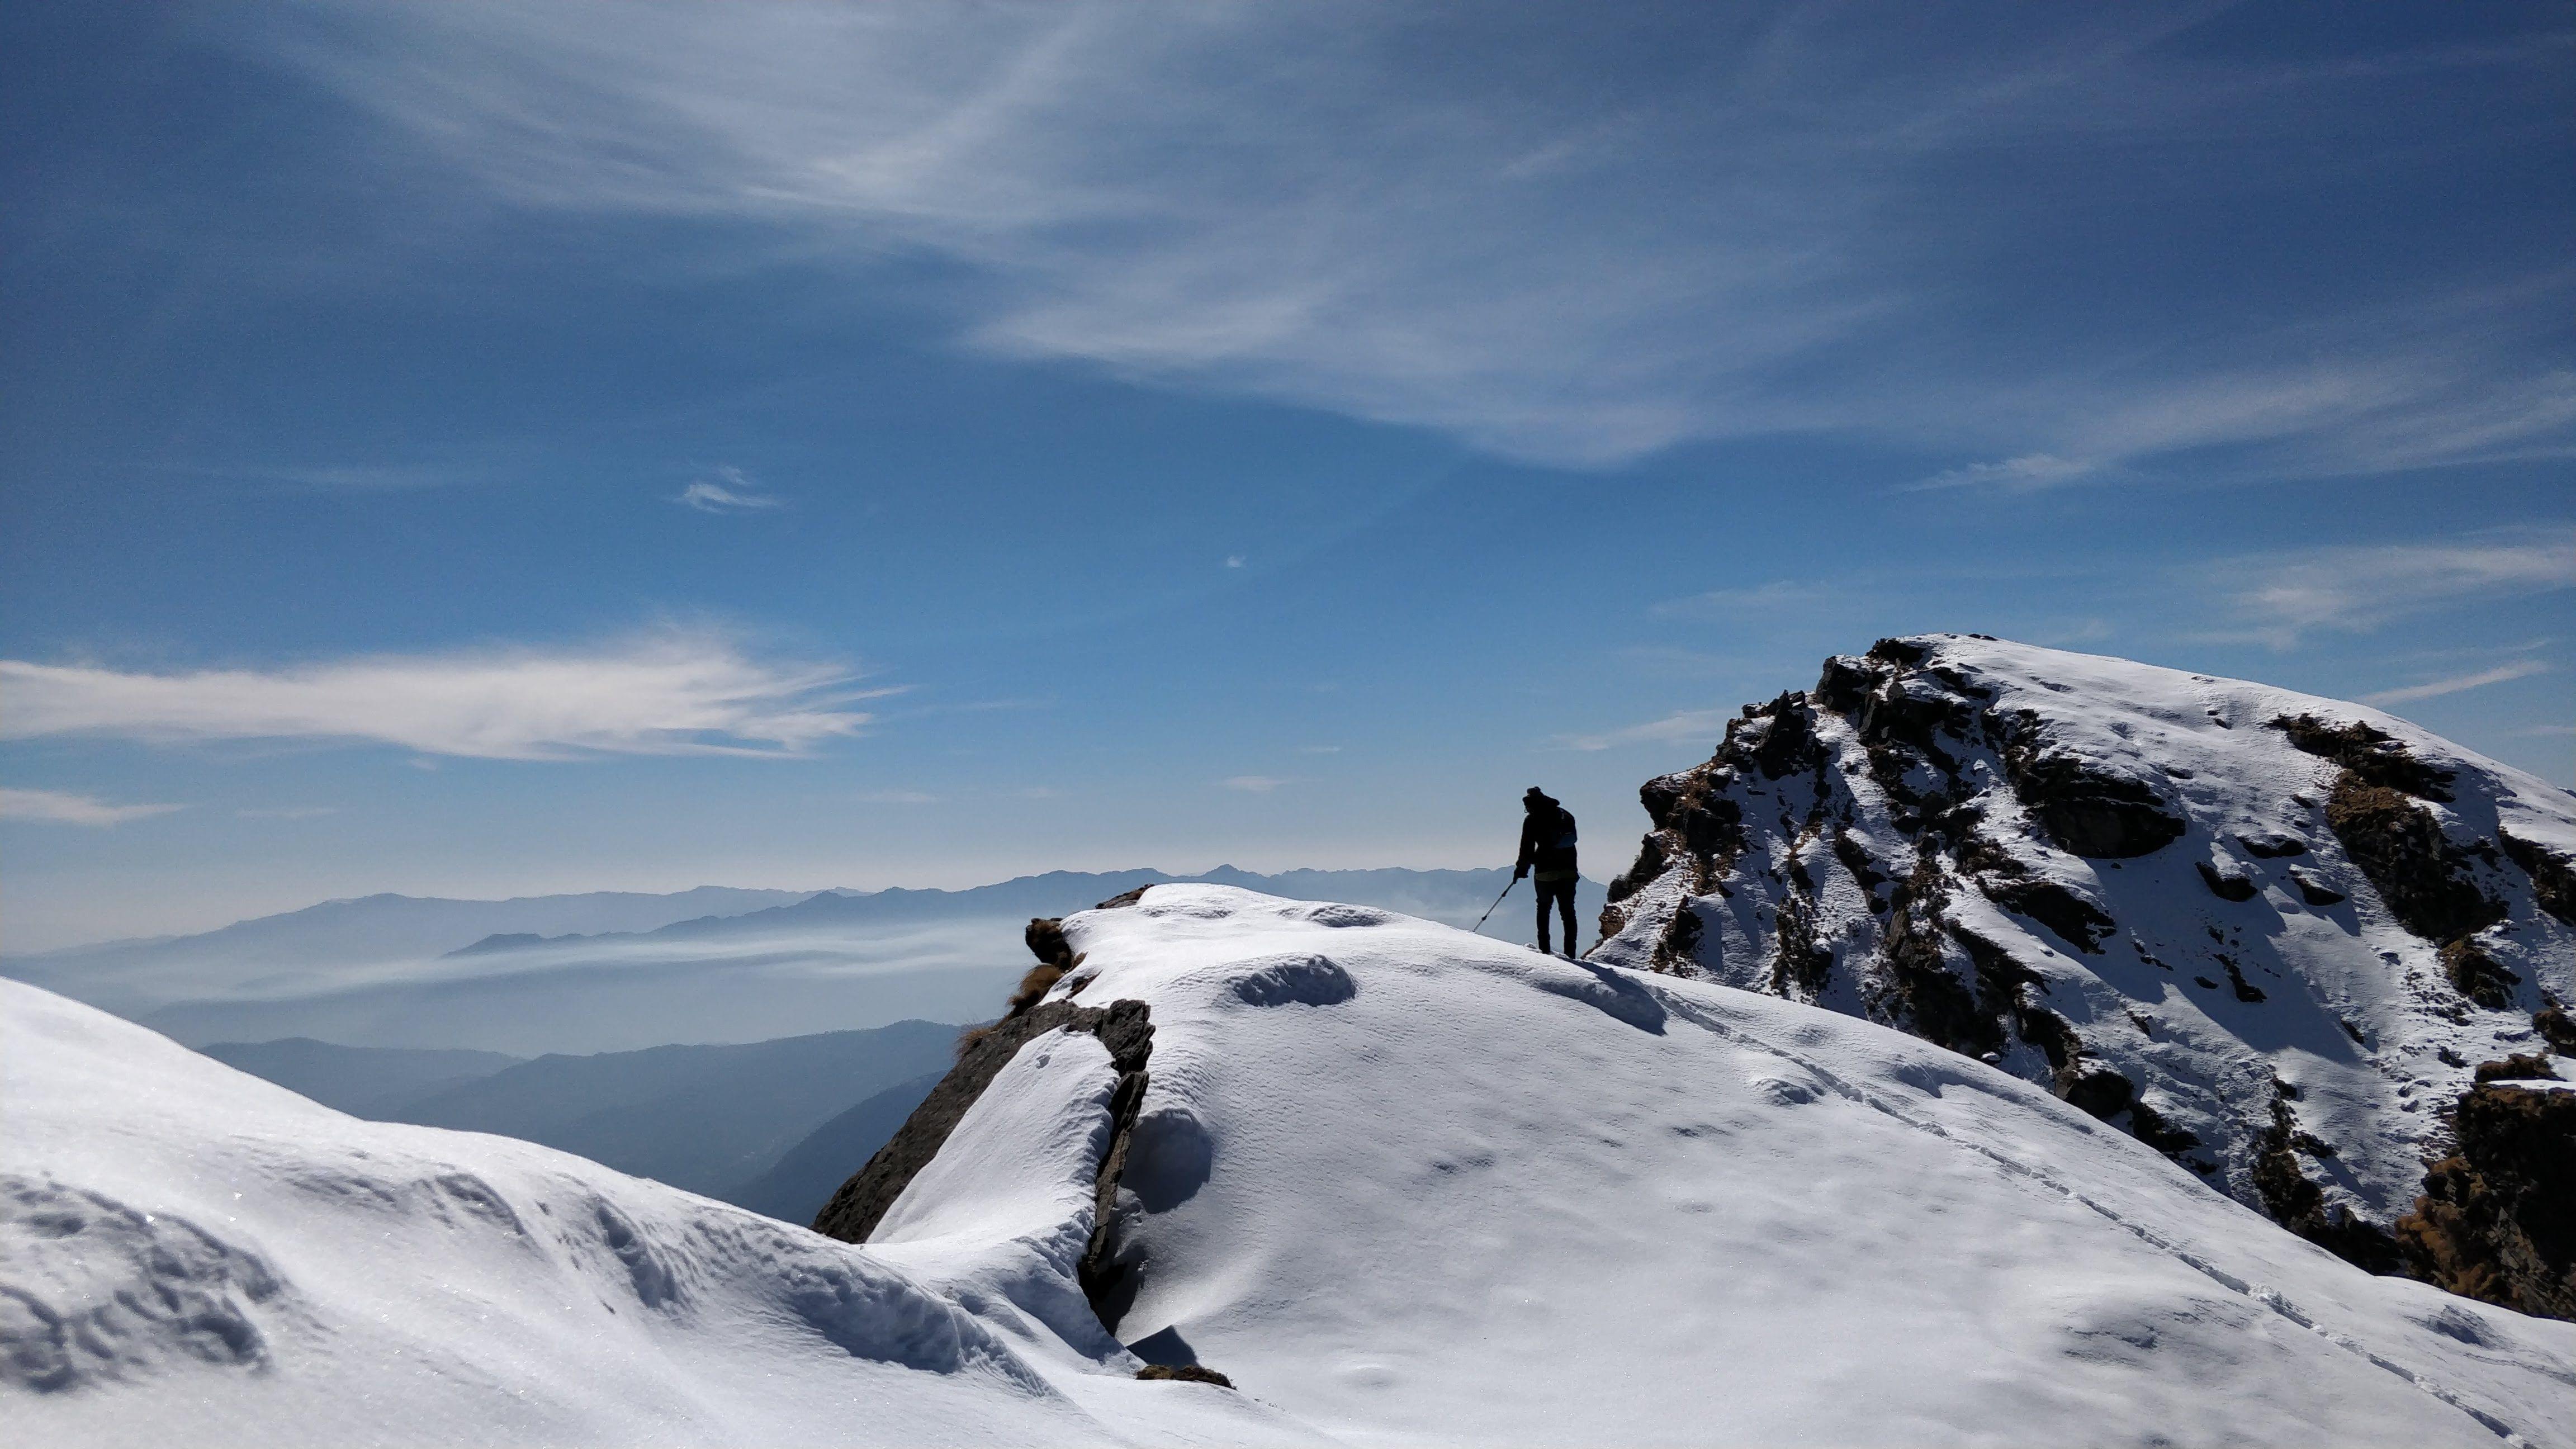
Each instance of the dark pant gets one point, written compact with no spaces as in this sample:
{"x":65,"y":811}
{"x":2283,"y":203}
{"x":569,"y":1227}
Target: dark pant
{"x":1561,"y":892}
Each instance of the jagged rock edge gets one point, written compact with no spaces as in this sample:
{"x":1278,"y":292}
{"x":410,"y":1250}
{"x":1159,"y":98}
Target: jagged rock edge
{"x":1125,"y":1028}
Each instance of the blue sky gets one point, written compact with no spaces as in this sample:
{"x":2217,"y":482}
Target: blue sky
{"x":489,"y":449}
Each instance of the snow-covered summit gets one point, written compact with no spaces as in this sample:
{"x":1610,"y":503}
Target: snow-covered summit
{"x":2274,"y":934}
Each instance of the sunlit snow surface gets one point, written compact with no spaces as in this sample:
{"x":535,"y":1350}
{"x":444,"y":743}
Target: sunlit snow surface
{"x":1403,"y":1184}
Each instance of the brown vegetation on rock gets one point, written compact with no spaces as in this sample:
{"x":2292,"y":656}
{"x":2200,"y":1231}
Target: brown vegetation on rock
{"x":2372,"y":754}
{"x":2495,"y":1221}
{"x":2089,"y":813}
{"x":2297,"y":1203}
{"x":2416,"y":869}
{"x":2477,"y":975}
{"x":2553,"y":876}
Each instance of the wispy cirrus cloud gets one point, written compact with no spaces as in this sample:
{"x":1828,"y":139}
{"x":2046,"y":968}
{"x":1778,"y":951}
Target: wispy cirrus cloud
{"x":1688,"y":724}
{"x":63,"y":808}
{"x":729,"y":491}
{"x":1776,"y":594}
{"x":2459,"y":683}
{"x":1579,"y":268}
{"x":670,"y":693}
{"x":2278,"y":598}
{"x":2026,"y":474}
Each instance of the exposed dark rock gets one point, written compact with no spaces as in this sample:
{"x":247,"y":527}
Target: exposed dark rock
{"x":1930,"y":998}
{"x":2225,"y":887}
{"x":1789,"y":746}
{"x":1187,"y":1373}
{"x":2073,"y":919}
{"x":1708,"y":824}
{"x":2152,"y":1129}
{"x":2101,"y":1091}
{"x":1899,"y":651}
{"x":2272,"y":847}
{"x":1801,"y":968}
{"x":2089,"y":813}
{"x":1108,"y":1275}
{"x":1905,"y":716}
{"x":2299,"y":1204}
{"x":2556,"y":1027}
{"x":2314,"y":890}
{"x":1125,"y":1029}
{"x":1855,"y":858}
{"x":1680,"y":939}
{"x":1846,"y":683}
{"x":2416,"y":869}
{"x":861,"y":1202}
{"x":2245,"y":990}
{"x":2372,"y":754}
{"x":2477,"y":975}
{"x":2553,"y":876}
{"x":1045,"y":938}
{"x":2497,"y":1221}
{"x":1124,"y":899}
{"x":1649,"y":864}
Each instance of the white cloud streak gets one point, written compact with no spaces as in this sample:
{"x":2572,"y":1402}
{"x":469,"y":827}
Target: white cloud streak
{"x":730,"y":491}
{"x":2435,"y":689}
{"x":2356,"y":590}
{"x":1776,"y":595}
{"x":671,"y":693}
{"x":1682,"y":725}
{"x":1286,"y":202}
{"x":62,"y":808}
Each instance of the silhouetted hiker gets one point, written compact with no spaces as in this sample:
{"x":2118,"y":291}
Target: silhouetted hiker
{"x":1547,"y":844}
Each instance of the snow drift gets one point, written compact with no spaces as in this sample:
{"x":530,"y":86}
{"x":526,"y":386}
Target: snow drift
{"x":2272,"y":934}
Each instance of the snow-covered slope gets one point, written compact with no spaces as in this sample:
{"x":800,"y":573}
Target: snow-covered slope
{"x":1404,"y":1184}
{"x":1411,"y":1185}
{"x":189,"y":1255}
{"x":2272,"y":933}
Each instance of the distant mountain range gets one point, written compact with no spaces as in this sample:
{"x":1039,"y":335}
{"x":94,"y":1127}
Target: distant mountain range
{"x":617,"y":972}
{"x":767,"y":1125}
{"x":335,"y":937}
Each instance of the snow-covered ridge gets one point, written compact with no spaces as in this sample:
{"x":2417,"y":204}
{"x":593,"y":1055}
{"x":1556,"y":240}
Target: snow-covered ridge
{"x":1403,"y":1184}
{"x":1413,"y":1185}
{"x":2272,"y":933}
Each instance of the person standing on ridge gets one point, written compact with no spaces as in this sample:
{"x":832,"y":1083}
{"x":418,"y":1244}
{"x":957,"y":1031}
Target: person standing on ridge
{"x":1547,"y":846}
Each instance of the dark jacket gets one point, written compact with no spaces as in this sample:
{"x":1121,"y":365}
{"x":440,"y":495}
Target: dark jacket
{"x":1547,"y":842}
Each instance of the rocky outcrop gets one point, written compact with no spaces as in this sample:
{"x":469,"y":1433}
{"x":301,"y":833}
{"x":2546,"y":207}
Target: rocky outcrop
{"x":2495,"y":1221}
{"x":854,"y":1210}
{"x":2253,"y":928}
{"x":1125,"y":1028}
{"x":2423,"y":876}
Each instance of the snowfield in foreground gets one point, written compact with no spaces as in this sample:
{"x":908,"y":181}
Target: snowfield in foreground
{"x":1401,"y":1183}
{"x":189,"y":1255}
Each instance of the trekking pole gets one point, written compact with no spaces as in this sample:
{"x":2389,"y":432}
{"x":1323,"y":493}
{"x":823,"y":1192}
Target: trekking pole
{"x":1498,"y":900}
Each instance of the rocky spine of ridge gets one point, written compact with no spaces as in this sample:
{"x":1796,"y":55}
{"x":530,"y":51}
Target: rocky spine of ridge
{"x":1124,"y":1027}
{"x":2258,"y":930}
